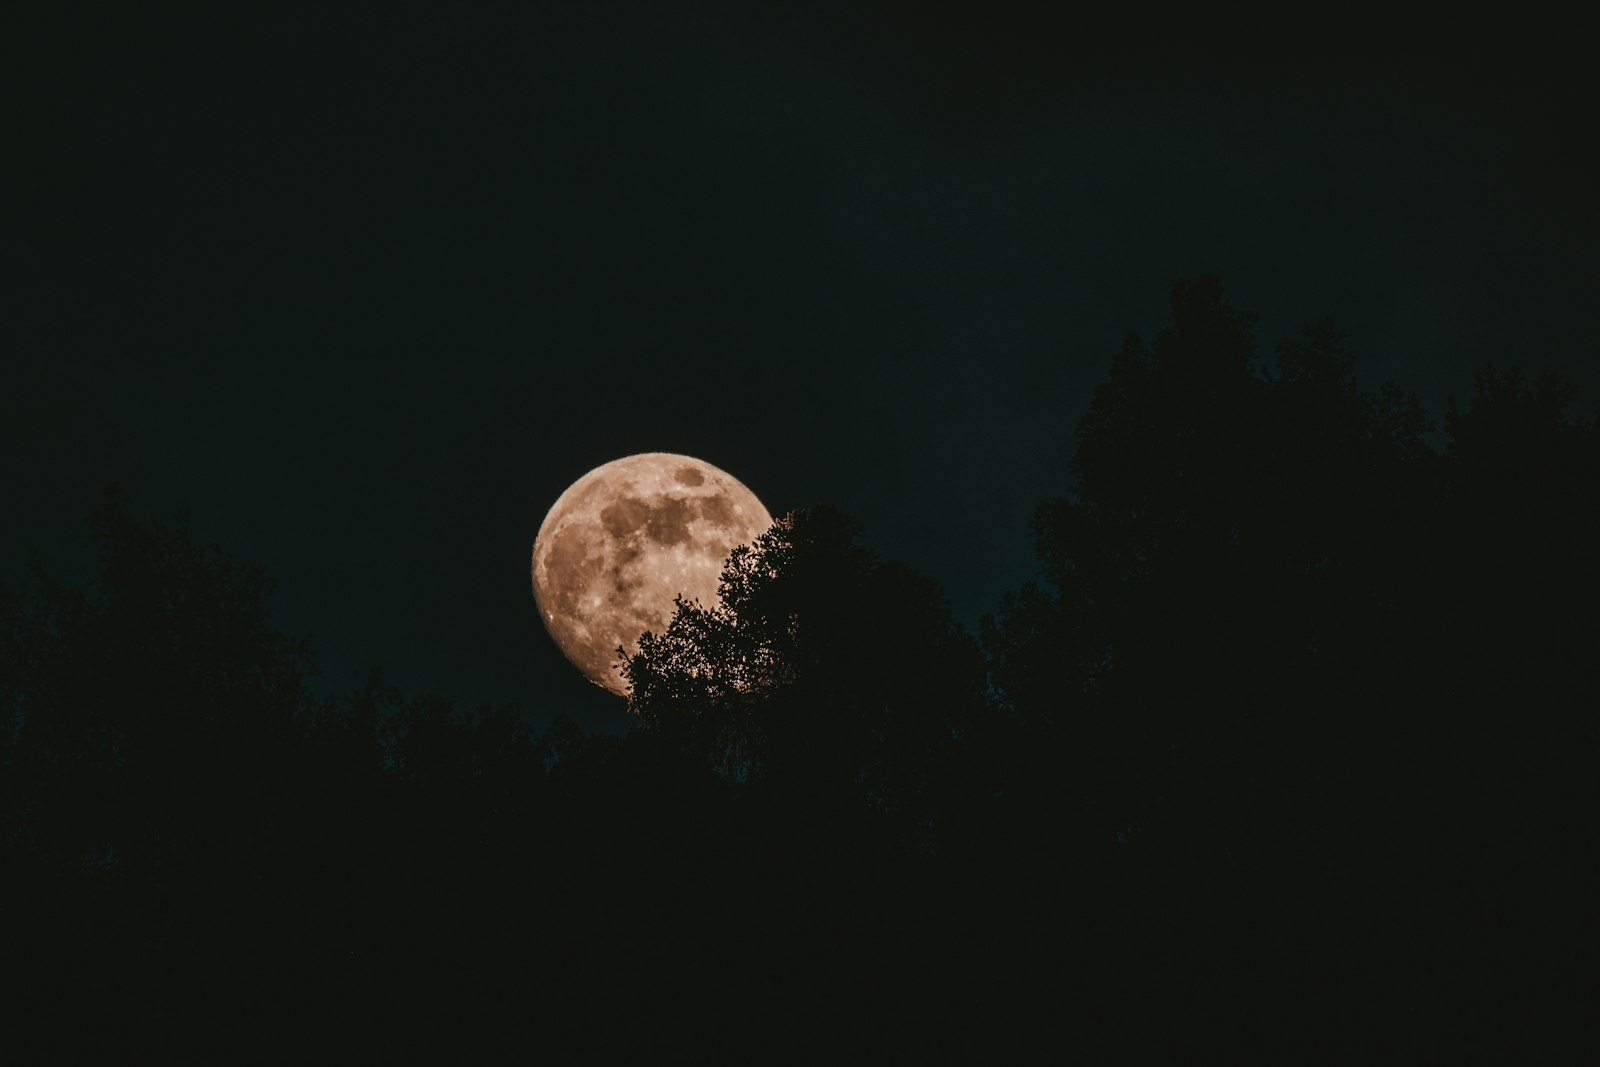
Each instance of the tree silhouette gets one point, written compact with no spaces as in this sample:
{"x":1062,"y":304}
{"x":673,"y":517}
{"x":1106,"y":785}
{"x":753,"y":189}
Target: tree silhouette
{"x":190,"y":839}
{"x":167,"y":685}
{"x":150,"y":727}
{"x":1306,"y":662}
{"x":1299,"y":713}
{"x":823,"y":671}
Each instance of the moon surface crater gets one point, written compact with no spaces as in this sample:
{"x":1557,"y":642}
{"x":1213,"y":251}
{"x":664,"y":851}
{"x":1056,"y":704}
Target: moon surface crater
{"x":624,"y":541}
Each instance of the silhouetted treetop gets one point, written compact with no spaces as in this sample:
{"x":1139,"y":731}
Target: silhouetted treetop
{"x":1230,"y":535}
{"x":822,"y":664}
{"x":165,"y":684}
{"x":1275,"y":627}
{"x":1512,"y":426}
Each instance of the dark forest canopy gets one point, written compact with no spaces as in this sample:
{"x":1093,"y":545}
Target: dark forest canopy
{"x":1294,"y":736}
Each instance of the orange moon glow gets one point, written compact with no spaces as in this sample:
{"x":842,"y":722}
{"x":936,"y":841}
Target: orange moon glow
{"x":627,"y":538}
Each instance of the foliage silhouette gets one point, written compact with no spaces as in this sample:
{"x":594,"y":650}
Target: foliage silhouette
{"x":823,"y":671}
{"x":1304,"y":654}
{"x":1299,"y":714}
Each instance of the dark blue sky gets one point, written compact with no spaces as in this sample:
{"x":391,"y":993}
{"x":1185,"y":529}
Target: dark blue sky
{"x":364,"y":291}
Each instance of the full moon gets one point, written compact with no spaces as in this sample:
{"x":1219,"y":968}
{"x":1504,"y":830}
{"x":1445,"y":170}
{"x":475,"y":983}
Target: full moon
{"x":627,"y":538}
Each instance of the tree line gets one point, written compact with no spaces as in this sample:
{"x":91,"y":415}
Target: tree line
{"x":1292,"y":740}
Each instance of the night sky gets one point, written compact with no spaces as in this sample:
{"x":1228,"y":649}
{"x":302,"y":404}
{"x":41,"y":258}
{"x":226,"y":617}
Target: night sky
{"x":363,"y":291}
